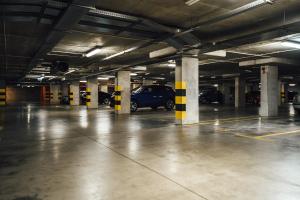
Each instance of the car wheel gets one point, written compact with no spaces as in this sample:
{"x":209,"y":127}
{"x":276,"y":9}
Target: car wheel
{"x":169,"y":105}
{"x":106,"y":101}
{"x":133,"y":106}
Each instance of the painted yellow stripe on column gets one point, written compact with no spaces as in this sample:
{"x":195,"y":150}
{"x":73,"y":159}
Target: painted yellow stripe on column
{"x":180,"y":85}
{"x":117,"y":107}
{"x":180,"y":100}
{"x":118,"y":88}
{"x":88,"y":90}
{"x":118,"y":98}
{"x":2,"y":96}
{"x":88,"y":96}
{"x":88,"y":103}
{"x":2,"y":103}
{"x":180,"y":115}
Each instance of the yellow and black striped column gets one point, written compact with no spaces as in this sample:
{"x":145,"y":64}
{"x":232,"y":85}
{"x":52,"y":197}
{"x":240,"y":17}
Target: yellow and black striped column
{"x":180,"y":100}
{"x":71,"y":98}
{"x":2,"y":96}
{"x":88,"y":97}
{"x":118,"y":98}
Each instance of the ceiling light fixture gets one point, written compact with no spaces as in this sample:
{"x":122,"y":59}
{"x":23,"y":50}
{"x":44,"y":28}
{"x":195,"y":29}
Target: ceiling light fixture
{"x":93,"y":52}
{"x":71,"y":71}
{"x":103,"y":78}
{"x":120,"y":53}
{"x":82,"y":81}
{"x":191,"y":2}
{"x":171,"y":65}
{"x":295,"y":45}
{"x":133,"y":74}
{"x":292,"y":84}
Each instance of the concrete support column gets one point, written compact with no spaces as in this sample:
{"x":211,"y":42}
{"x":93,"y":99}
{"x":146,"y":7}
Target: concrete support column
{"x":2,"y":93}
{"x":74,"y":94}
{"x":225,"y":89}
{"x":269,"y":91}
{"x":147,"y":82}
{"x":122,"y":92}
{"x":187,"y":91}
{"x":281,"y":93}
{"x":55,"y":94}
{"x":92,"y":93}
{"x":240,"y":85}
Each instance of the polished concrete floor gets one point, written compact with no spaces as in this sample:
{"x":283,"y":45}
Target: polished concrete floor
{"x":70,"y":153}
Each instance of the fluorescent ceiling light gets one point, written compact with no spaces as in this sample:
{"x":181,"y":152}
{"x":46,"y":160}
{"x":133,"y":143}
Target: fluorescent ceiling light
{"x":103,"y":78}
{"x":140,"y":68}
{"x":133,"y":74}
{"x":291,"y":44}
{"x":82,"y":81}
{"x":71,"y":71}
{"x":171,"y":65}
{"x":292,"y":84}
{"x":93,"y":52}
{"x":120,"y":53}
{"x":191,"y":2}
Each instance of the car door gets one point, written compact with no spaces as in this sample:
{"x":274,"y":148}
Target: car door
{"x":146,"y":97}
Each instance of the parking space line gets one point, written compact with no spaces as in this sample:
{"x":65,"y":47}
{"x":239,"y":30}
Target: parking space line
{"x":277,"y":134}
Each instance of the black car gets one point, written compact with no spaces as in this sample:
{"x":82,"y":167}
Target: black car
{"x":104,"y":98}
{"x":210,"y":96}
{"x":152,"y":96}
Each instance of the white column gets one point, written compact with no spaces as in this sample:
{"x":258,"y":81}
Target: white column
{"x":226,"y":93}
{"x":147,"y":82}
{"x":92,"y":93}
{"x":54,"y":94}
{"x":269,"y":91}
{"x":74,"y":94}
{"x":187,"y":91}
{"x":123,"y":92}
{"x":239,"y":92}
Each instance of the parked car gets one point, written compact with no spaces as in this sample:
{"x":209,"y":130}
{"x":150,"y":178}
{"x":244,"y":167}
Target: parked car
{"x":208,"y":96}
{"x":253,"y":97}
{"x":153,"y":96}
{"x":104,"y":98}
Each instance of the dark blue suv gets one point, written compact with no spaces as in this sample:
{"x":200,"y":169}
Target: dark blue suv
{"x":152,"y":96}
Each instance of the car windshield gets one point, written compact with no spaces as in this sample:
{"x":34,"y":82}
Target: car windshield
{"x":137,"y":90}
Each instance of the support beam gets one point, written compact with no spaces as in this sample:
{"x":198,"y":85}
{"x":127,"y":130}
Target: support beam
{"x":122,"y":92}
{"x":187,"y":90}
{"x":269,"y":91}
{"x":66,"y":22}
{"x":92,"y":93}
{"x":74,"y":94}
{"x":240,"y":85}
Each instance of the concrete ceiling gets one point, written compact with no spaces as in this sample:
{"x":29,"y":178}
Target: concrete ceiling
{"x":142,"y":26}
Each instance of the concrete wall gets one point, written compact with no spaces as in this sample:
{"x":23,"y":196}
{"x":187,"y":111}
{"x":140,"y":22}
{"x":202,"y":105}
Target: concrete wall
{"x":19,"y":95}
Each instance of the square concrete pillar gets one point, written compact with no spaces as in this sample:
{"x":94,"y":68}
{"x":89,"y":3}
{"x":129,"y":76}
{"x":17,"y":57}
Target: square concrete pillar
{"x":225,"y":89}
{"x":122,"y":92}
{"x":269,"y":91}
{"x":92,"y":93}
{"x":55,"y":94}
{"x":240,"y":85}
{"x":74,"y":94}
{"x":2,"y":93}
{"x":187,"y":91}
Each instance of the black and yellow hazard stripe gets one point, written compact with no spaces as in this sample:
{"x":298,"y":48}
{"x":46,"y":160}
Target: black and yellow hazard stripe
{"x":2,"y":96}
{"x":88,"y":97}
{"x":51,"y":95}
{"x":60,"y":95}
{"x":118,"y":98}
{"x":180,"y":100}
{"x":71,"y":98}
{"x":47,"y":96}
